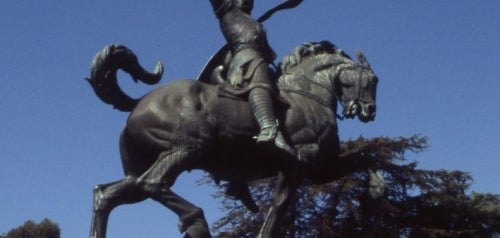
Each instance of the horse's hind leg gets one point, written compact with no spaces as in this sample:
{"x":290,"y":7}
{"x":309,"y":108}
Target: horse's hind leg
{"x":109,"y":196}
{"x":157,"y":182}
{"x":191,"y":218}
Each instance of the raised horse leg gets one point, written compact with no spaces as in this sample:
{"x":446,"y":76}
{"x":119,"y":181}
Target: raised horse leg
{"x":286,"y":187}
{"x":155,"y":183}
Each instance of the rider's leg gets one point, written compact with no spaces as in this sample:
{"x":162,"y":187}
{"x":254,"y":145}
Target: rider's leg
{"x":262,"y":106}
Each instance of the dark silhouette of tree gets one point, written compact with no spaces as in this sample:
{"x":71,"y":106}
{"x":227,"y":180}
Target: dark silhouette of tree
{"x":417,"y":203}
{"x":45,"y":229}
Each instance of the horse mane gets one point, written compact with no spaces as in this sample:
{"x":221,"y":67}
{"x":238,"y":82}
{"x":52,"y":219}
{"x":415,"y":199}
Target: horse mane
{"x":309,"y":49}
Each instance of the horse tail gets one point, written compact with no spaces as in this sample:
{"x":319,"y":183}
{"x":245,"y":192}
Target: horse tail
{"x":103,"y":75}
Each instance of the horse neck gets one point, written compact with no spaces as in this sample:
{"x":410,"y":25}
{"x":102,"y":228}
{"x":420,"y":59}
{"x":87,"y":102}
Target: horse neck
{"x":312,"y":79}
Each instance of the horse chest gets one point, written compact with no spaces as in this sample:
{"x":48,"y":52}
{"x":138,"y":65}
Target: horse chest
{"x":307,"y":123}
{"x":312,"y":131}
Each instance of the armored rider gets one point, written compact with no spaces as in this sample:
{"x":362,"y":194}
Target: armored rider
{"x":249,"y":65}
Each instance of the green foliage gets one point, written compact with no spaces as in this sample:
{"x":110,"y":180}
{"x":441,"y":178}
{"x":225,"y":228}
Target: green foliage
{"x":417,"y":203}
{"x":46,"y":229}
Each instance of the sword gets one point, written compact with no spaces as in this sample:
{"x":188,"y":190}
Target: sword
{"x":218,"y":57}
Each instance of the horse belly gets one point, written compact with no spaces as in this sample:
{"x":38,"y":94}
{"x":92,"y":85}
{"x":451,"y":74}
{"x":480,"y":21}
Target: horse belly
{"x":233,"y":118}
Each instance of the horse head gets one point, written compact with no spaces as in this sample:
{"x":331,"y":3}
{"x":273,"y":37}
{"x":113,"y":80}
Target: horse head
{"x":353,"y":84}
{"x":356,"y":87}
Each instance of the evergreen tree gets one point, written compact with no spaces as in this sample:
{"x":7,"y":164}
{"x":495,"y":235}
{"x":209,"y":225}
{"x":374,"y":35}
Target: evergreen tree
{"x":417,"y":202}
{"x":46,"y":229}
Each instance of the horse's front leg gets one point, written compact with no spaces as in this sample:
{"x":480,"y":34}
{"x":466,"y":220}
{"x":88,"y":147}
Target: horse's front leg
{"x":286,"y":187}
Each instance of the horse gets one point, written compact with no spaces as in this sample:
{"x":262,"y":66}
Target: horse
{"x":189,"y":124}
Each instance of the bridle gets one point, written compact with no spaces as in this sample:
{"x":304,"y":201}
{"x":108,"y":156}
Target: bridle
{"x":357,"y":98}
{"x":338,"y":98}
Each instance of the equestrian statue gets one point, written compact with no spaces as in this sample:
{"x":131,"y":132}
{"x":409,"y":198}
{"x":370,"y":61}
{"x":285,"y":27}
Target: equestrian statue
{"x":242,"y":120}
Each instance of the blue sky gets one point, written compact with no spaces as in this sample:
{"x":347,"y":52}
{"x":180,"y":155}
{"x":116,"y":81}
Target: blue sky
{"x":438,"y":64}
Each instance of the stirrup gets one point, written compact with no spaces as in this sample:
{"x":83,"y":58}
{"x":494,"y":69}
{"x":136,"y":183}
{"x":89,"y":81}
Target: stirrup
{"x":271,"y":134}
{"x":267,"y":134}
{"x":280,"y":143}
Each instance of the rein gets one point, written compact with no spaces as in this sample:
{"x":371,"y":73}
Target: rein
{"x":317,"y":98}
{"x":314,"y":97}
{"x":308,"y":95}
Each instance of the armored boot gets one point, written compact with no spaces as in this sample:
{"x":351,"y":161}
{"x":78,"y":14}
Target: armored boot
{"x":262,"y":107}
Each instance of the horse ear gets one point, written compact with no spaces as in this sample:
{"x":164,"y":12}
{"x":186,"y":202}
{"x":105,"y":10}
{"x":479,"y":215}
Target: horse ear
{"x":362,"y":59}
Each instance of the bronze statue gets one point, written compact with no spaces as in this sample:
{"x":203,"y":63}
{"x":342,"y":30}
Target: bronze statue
{"x":189,"y":124}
